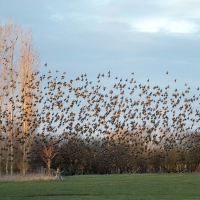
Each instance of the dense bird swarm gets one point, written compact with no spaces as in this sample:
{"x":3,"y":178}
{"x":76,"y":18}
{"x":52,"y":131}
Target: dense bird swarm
{"x":88,"y":127}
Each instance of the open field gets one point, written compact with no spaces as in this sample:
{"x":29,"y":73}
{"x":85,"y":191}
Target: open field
{"x":125,"y":186}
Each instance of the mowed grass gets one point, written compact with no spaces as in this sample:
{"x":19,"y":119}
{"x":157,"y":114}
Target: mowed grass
{"x":125,"y":186}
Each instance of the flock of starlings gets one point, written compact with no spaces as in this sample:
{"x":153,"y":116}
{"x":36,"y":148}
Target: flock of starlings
{"x":82,"y":108}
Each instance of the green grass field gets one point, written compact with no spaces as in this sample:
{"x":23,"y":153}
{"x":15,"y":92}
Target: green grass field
{"x":125,"y":186}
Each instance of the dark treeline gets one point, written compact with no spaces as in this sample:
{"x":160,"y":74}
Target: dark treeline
{"x":126,"y":154}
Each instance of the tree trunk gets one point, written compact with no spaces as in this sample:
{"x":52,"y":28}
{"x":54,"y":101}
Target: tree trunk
{"x":0,"y":148}
{"x":24,"y":160}
{"x":0,"y":161}
{"x":49,"y":166}
{"x":7,"y":163}
{"x":11,"y":135}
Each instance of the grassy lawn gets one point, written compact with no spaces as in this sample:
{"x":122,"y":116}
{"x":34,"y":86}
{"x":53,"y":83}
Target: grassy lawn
{"x":125,"y":186}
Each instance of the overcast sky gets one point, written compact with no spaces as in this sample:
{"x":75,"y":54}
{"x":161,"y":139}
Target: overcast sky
{"x":148,"y":37}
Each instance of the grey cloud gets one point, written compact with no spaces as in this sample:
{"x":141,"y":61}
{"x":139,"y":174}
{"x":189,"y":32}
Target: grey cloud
{"x":88,"y":36}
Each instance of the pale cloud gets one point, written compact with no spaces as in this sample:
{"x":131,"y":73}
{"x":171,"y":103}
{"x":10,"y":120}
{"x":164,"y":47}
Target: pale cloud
{"x":100,"y":2}
{"x":181,"y":27}
{"x":148,"y":25}
{"x":164,"y":25}
{"x":57,"y":17}
{"x":172,"y":16}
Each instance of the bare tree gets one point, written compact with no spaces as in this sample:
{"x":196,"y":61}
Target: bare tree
{"x":8,"y":41}
{"x":28,"y":66}
{"x":18,"y":64}
{"x":48,"y":154}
